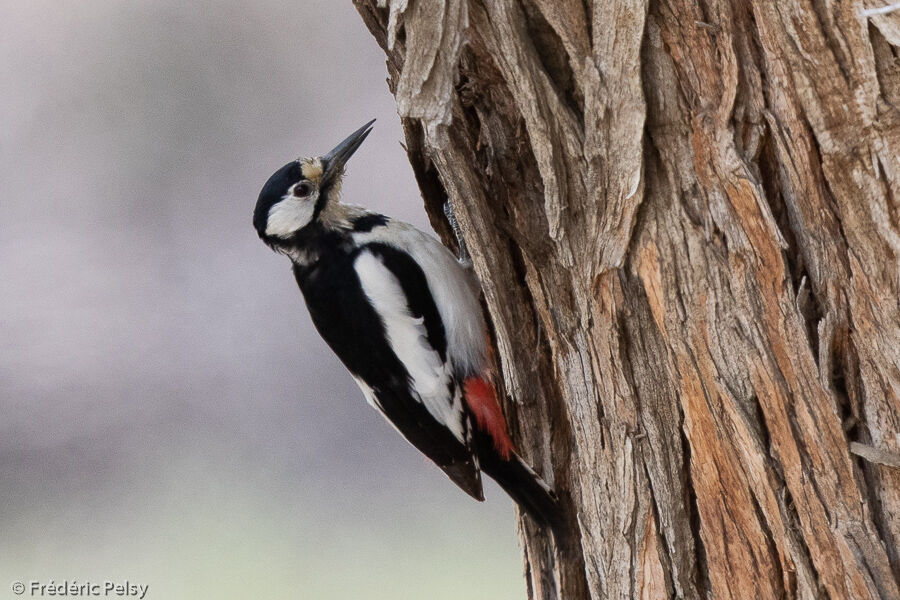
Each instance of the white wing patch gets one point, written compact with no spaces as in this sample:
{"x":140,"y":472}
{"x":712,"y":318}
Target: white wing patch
{"x":452,"y":286}
{"x":429,"y":375}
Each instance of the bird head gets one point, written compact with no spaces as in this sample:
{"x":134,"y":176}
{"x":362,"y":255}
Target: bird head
{"x":296,"y":194}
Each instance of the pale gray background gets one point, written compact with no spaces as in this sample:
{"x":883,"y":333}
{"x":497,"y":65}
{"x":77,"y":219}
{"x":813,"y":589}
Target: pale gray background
{"x":167,"y":412}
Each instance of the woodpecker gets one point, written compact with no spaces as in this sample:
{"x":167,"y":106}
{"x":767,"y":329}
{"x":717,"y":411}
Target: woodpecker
{"x":403,"y":315}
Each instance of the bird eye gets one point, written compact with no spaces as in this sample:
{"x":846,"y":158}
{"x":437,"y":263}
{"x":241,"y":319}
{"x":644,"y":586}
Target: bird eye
{"x":302,"y":189}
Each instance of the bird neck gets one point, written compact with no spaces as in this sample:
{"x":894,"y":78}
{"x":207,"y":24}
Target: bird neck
{"x":308,"y":245}
{"x":339,"y":217}
{"x":329,"y":233}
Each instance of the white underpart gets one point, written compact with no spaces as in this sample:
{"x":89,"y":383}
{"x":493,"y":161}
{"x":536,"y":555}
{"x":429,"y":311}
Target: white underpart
{"x":429,"y":375}
{"x":452,"y":286}
{"x":290,"y":215}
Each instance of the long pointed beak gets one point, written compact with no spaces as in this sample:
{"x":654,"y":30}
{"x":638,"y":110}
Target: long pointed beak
{"x":337,"y":158}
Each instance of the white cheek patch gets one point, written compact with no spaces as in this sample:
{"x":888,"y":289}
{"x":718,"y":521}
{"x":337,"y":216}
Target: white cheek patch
{"x":290,"y":215}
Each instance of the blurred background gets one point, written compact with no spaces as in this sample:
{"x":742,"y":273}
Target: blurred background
{"x":168,"y":415}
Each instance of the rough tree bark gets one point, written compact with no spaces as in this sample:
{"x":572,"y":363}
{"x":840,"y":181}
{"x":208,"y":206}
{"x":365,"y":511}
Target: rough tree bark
{"x":685,"y":216}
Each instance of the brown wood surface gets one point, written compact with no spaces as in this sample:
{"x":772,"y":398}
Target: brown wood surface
{"x":685,"y":216}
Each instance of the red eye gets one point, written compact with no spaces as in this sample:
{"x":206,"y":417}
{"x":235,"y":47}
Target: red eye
{"x":303,"y":189}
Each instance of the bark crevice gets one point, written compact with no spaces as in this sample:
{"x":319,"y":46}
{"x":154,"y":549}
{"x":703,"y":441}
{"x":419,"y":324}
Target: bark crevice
{"x":701,"y":575}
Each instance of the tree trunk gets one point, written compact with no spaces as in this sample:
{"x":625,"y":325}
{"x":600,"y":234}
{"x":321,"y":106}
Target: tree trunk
{"x":685,"y":216}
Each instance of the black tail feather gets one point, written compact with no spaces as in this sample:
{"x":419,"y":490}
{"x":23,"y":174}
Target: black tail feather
{"x":525,"y":487}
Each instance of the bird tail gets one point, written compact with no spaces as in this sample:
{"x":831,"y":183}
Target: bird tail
{"x":499,"y":459}
{"x":525,"y":487}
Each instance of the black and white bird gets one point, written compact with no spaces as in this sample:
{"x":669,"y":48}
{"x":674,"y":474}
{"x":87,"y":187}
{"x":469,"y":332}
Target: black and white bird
{"x":403,"y":315}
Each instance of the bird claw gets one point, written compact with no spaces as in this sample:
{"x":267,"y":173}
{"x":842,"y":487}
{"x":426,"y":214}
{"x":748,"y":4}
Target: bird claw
{"x":454,"y":225}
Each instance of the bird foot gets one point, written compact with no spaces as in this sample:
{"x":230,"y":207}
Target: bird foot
{"x":454,"y":225}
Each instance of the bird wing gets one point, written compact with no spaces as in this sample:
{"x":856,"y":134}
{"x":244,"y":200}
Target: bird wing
{"x":452,"y":287}
{"x":397,"y":290}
